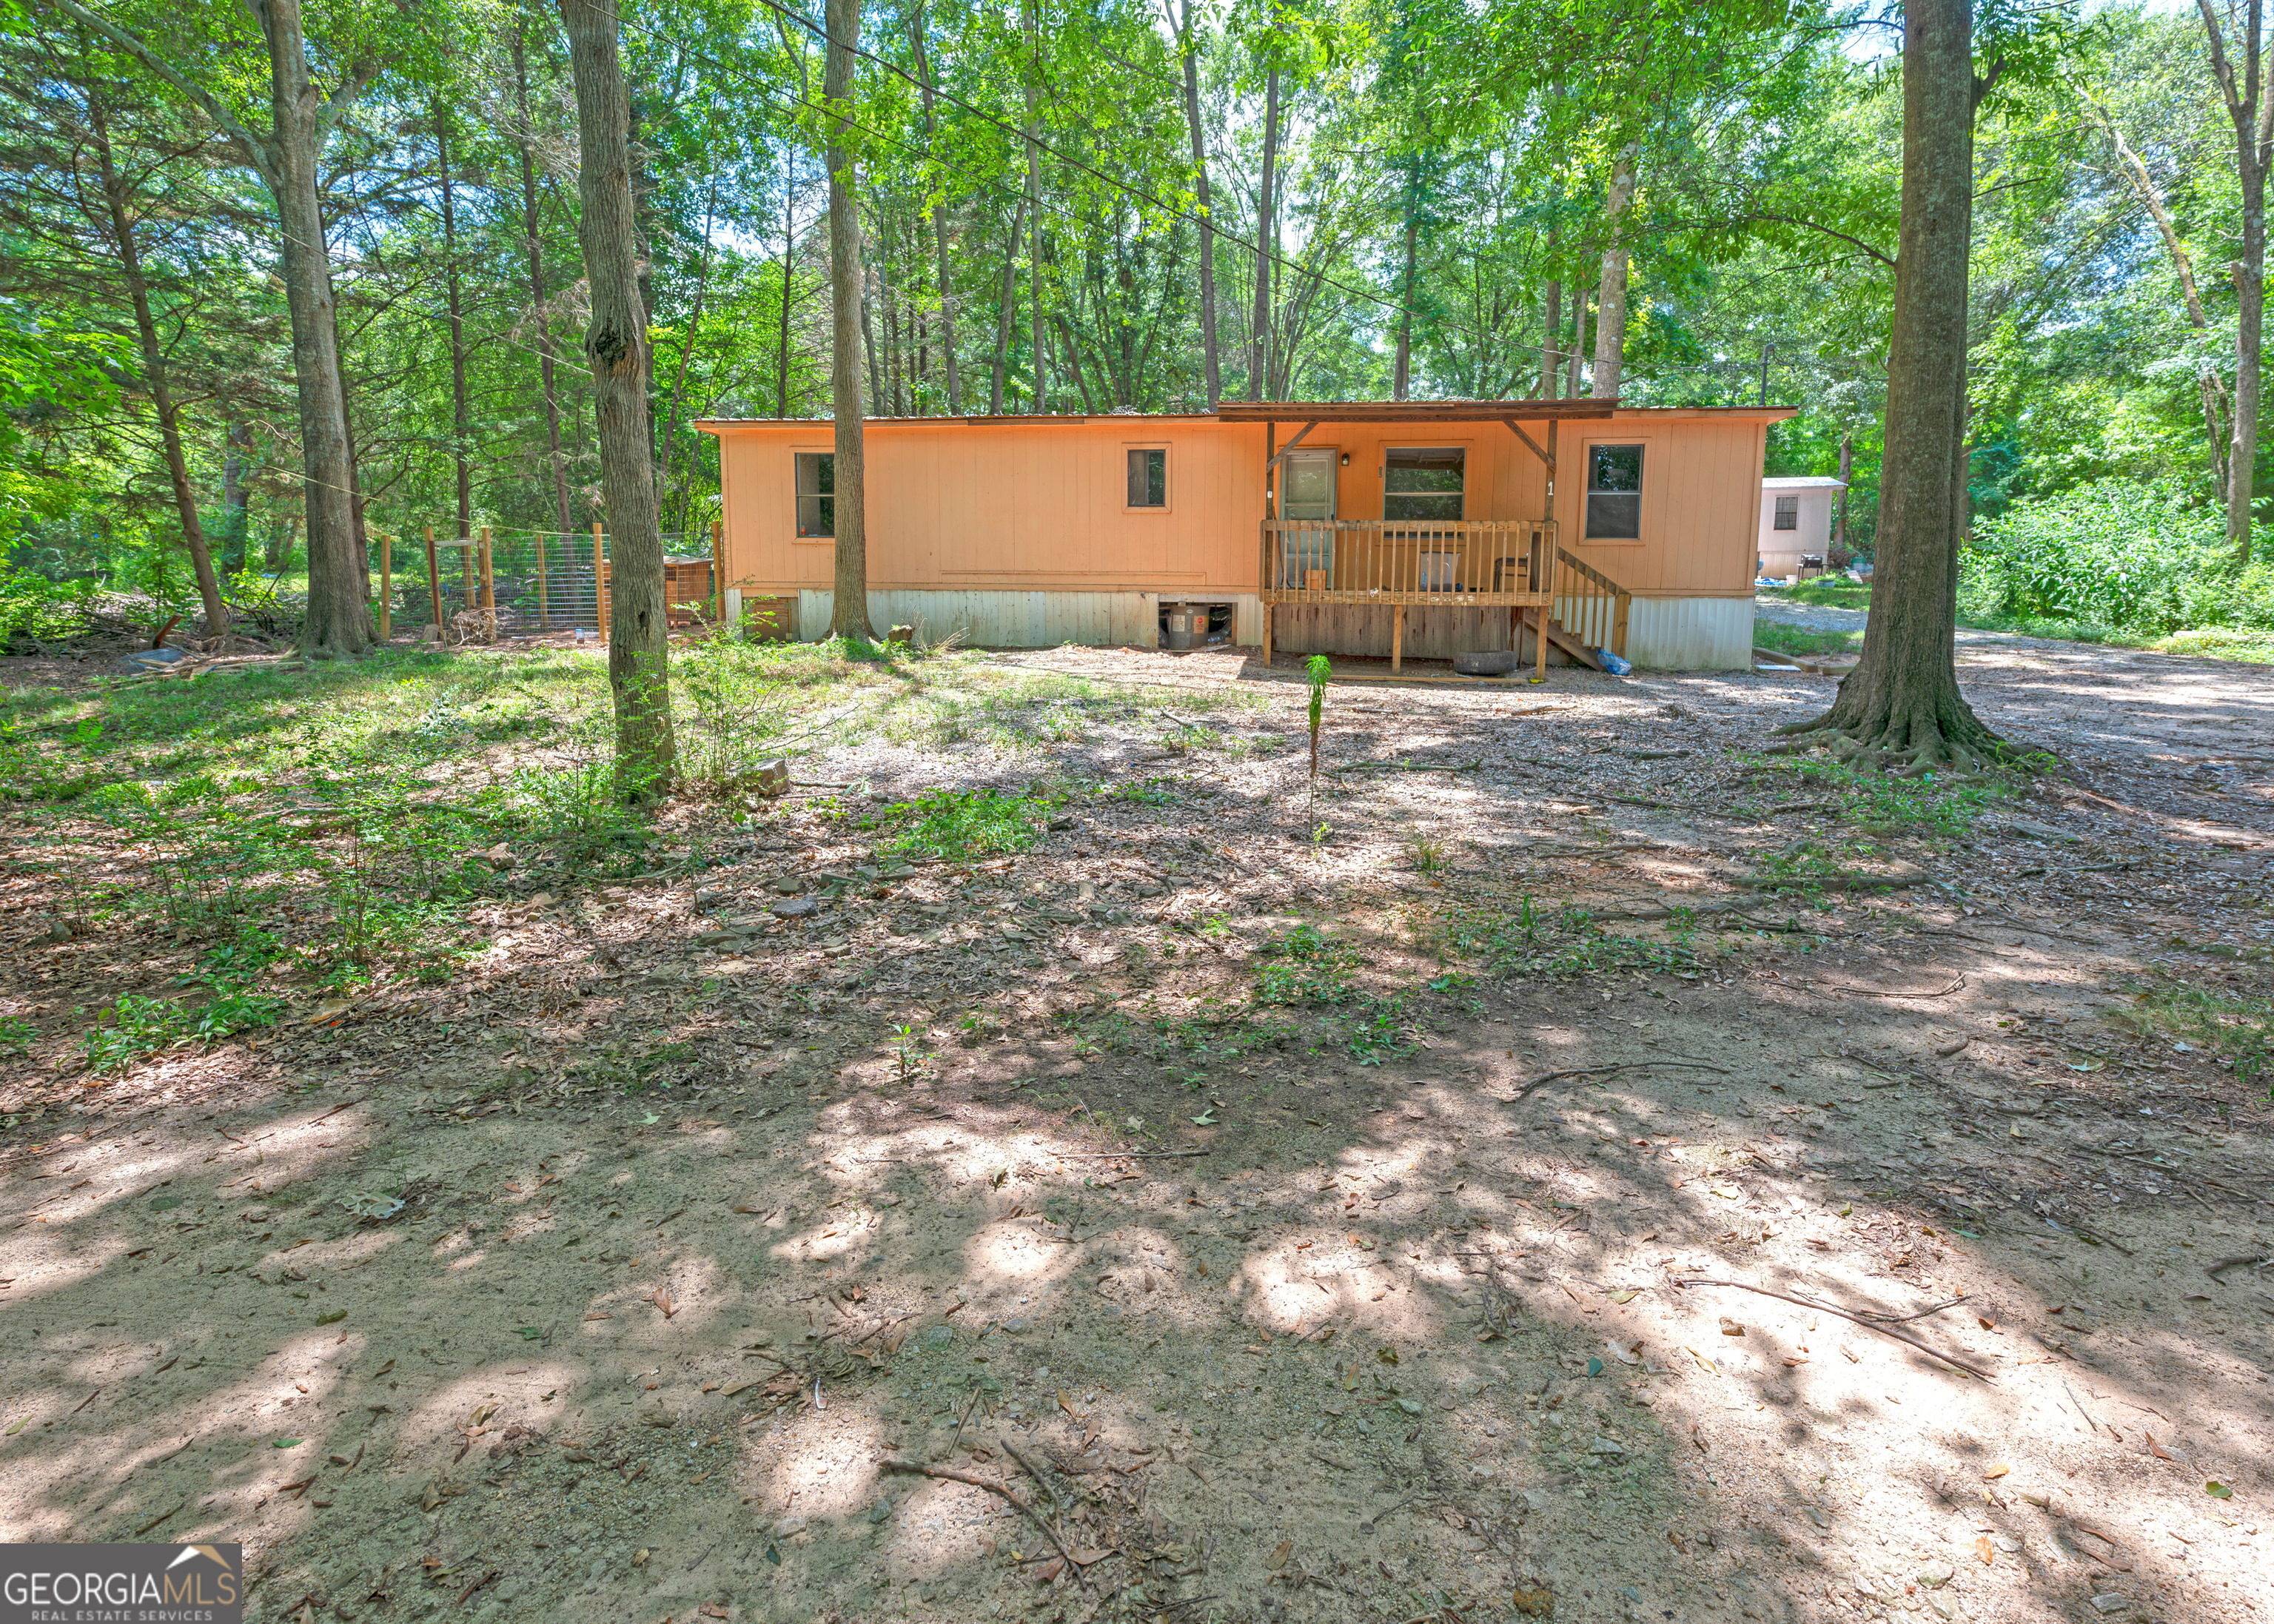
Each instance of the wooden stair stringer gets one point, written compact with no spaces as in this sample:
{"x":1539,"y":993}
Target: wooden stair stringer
{"x":1565,"y":641}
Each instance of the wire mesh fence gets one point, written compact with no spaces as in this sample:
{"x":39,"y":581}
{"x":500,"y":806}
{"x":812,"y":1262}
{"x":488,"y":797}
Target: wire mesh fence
{"x":519,"y":583}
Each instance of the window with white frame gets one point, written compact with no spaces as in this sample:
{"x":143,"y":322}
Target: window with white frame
{"x":1614,"y":494}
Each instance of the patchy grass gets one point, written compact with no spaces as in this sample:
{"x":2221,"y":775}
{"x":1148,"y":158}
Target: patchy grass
{"x":361,"y":811}
{"x":1804,"y":640}
{"x":1874,"y":802}
{"x":2238,"y":1028}
{"x":1526,"y":940}
{"x":1824,"y":592}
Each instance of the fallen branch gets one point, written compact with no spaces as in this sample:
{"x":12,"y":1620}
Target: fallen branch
{"x":1406,"y":767}
{"x":1874,"y":992}
{"x":1130,"y":1155}
{"x":1922,"y":1313}
{"x":2256,"y":1259}
{"x":994,"y":1486}
{"x":1868,"y":1325}
{"x":1833,"y":882}
{"x":1629,"y":1065}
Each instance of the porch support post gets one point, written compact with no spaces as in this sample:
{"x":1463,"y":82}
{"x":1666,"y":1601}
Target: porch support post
{"x":1540,"y":641}
{"x":1267,"y":609}
{"x":1398,"y":638}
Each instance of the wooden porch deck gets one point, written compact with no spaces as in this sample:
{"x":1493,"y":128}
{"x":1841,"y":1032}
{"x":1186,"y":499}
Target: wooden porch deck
{"x":1512,"y":564}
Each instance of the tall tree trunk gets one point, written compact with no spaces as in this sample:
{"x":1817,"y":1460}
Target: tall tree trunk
{"x":235,"y":499}
{"x":2250,"y":107}
{"x":1189,"y":48}
{"x":338,"y":622}
{"x":153,"y":365}
{"x":639,"y":649}
{"x":849,"y":615}
{"x":2209,"y":384}
{"x":1901,"y":704}
{"x":1578,"y":342}
{"x":1031,"y":69}
{"x":789,"y":256}
{"x":1006,"y":307}
{"x":1847,"y":472}
{"x":1611,"y":296}
{"x":868,"y":333}
{"x":462,"y":416}
{"x":685,"y":353}
{"x":1262,"y":349}
{"x":533,"y":247}
{"x":939,"y":220}
{"x":1551,"y":331}
{"x":1401,"y":370}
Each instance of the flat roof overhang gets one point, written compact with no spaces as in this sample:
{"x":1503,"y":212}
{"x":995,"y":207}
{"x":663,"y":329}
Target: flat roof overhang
{"x":1408,"y":412}
{"x":1296,"y":411}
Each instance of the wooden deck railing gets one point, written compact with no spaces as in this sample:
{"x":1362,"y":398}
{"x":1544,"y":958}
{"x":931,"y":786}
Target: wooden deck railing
{"x":1589,"y":606}
{"x":1472,"y":562}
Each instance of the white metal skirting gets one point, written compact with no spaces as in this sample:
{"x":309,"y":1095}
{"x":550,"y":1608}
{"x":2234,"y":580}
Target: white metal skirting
{"x":1691,"y":633}
{"x":1004,"y":620}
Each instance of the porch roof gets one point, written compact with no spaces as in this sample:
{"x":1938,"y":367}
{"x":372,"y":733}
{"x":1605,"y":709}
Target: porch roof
{"x":1408,"y":412}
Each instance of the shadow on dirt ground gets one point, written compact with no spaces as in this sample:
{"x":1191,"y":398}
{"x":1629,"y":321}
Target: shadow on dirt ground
{"x":1567,"y":1163}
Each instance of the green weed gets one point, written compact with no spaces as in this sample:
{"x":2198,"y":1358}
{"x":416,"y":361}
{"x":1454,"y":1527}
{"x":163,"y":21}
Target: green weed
{"x":17,"y":1034}
{"x":1305,"y":967}
{"x":955,"y":826}
{"x":136,"y":1026}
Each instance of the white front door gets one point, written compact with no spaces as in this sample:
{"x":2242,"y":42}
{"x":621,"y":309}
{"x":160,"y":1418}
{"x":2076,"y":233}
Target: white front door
{"x":1306,"y":485}
{"x":1306,"y":491}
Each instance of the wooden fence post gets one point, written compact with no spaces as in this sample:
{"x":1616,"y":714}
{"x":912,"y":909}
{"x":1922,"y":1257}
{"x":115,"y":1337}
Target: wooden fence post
{"x":600,"y":589}
{"x":435,"y":583}
{"x":489,"y":590}
{"x":544,"y":618}
{"x":386,"y":587}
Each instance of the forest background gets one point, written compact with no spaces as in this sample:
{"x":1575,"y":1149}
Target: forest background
{"x":1092,"y":204}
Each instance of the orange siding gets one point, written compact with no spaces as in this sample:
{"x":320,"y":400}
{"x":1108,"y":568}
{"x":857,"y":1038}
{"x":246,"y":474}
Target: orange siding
{"x":1037,"y":505}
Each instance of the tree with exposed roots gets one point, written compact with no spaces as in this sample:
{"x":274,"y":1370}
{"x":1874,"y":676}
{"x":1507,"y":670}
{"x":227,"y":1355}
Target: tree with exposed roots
{"x":1901,"y":707}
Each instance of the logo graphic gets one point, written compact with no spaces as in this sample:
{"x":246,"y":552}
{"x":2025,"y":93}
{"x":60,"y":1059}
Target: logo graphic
{"x":122,"y":1584}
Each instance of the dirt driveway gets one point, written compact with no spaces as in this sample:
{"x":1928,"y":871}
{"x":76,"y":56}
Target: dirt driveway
{"x":1576,"y":1165}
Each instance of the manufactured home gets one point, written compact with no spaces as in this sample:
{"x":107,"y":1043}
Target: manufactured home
{"x":1796,"y":526}
{"x":1556,"y":528}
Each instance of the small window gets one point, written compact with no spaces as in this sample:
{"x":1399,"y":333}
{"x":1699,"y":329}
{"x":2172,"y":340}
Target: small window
{"x":816,"y":493}
{"x":1615,"y":493}
{"x":1788,"y":514}
{"x":1423,"y":483}
{"x":1148,"y":479}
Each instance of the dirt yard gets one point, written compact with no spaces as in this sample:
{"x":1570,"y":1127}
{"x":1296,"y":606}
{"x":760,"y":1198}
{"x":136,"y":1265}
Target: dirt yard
{"x":1576,"y":1165}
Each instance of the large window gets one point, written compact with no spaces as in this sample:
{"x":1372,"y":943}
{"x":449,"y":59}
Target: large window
{"x":1788,"y":514}
{"x":1148,"y":479}
{"x":1423,"y":482}
{"x":816,"y":493}
{"x":1614,"y":494}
